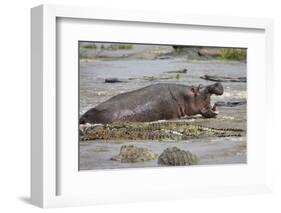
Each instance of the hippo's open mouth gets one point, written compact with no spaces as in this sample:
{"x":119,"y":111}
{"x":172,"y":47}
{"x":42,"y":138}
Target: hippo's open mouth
{"x":214,"y":109}
{"x":210,"y":110}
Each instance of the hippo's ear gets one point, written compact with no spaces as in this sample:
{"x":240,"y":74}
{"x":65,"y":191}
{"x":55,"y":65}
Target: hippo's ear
{"x":196,"y":90}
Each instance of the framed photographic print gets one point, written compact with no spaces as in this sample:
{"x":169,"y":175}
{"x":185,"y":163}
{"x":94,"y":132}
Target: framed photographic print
{"x":130,"y":106}
{"x":150,"y":105}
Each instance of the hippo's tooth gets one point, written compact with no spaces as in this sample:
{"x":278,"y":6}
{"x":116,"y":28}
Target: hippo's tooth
{"x":214,"y":108}
{"x":216,"y":112}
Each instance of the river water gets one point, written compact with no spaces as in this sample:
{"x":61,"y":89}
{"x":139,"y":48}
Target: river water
{"x":138,"y":73}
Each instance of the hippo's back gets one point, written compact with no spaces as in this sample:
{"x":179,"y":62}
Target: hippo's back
{"x":145,"y":104}
{"x":141,"y":97}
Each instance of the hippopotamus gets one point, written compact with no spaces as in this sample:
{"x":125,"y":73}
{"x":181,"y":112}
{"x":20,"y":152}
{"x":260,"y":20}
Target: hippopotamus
{"x":155,"y":102}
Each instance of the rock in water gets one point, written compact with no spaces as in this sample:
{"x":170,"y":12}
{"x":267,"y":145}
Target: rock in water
{"x":178,"y":71}
{"x":230,"y":103}
{"x":114,"y":80}
{"x":173,"y":156}
{"x":224,"y":78}
{"x":209,"y":52}
{"x":132,"y":154}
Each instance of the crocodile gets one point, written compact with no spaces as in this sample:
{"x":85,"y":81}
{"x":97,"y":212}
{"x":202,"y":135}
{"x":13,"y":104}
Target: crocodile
{"x":132,"y":154}
{"x":174,"y":156}
{"x":160,"y":130}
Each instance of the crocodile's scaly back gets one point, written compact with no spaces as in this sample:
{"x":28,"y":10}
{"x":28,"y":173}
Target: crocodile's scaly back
{"x":165,"y":130}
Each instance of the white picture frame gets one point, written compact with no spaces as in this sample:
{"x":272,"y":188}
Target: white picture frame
{"x":45,"y":152}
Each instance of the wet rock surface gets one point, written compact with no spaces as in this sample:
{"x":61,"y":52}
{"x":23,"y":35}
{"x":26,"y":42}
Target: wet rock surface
{"x":183,"y":71}
{"x":174,"y":156}
{"x":114,"y":80}
{"x":209,"y":52}
{"x":230,"y":103}
{"x":132,"y":154}
{"x":223,"y":78}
